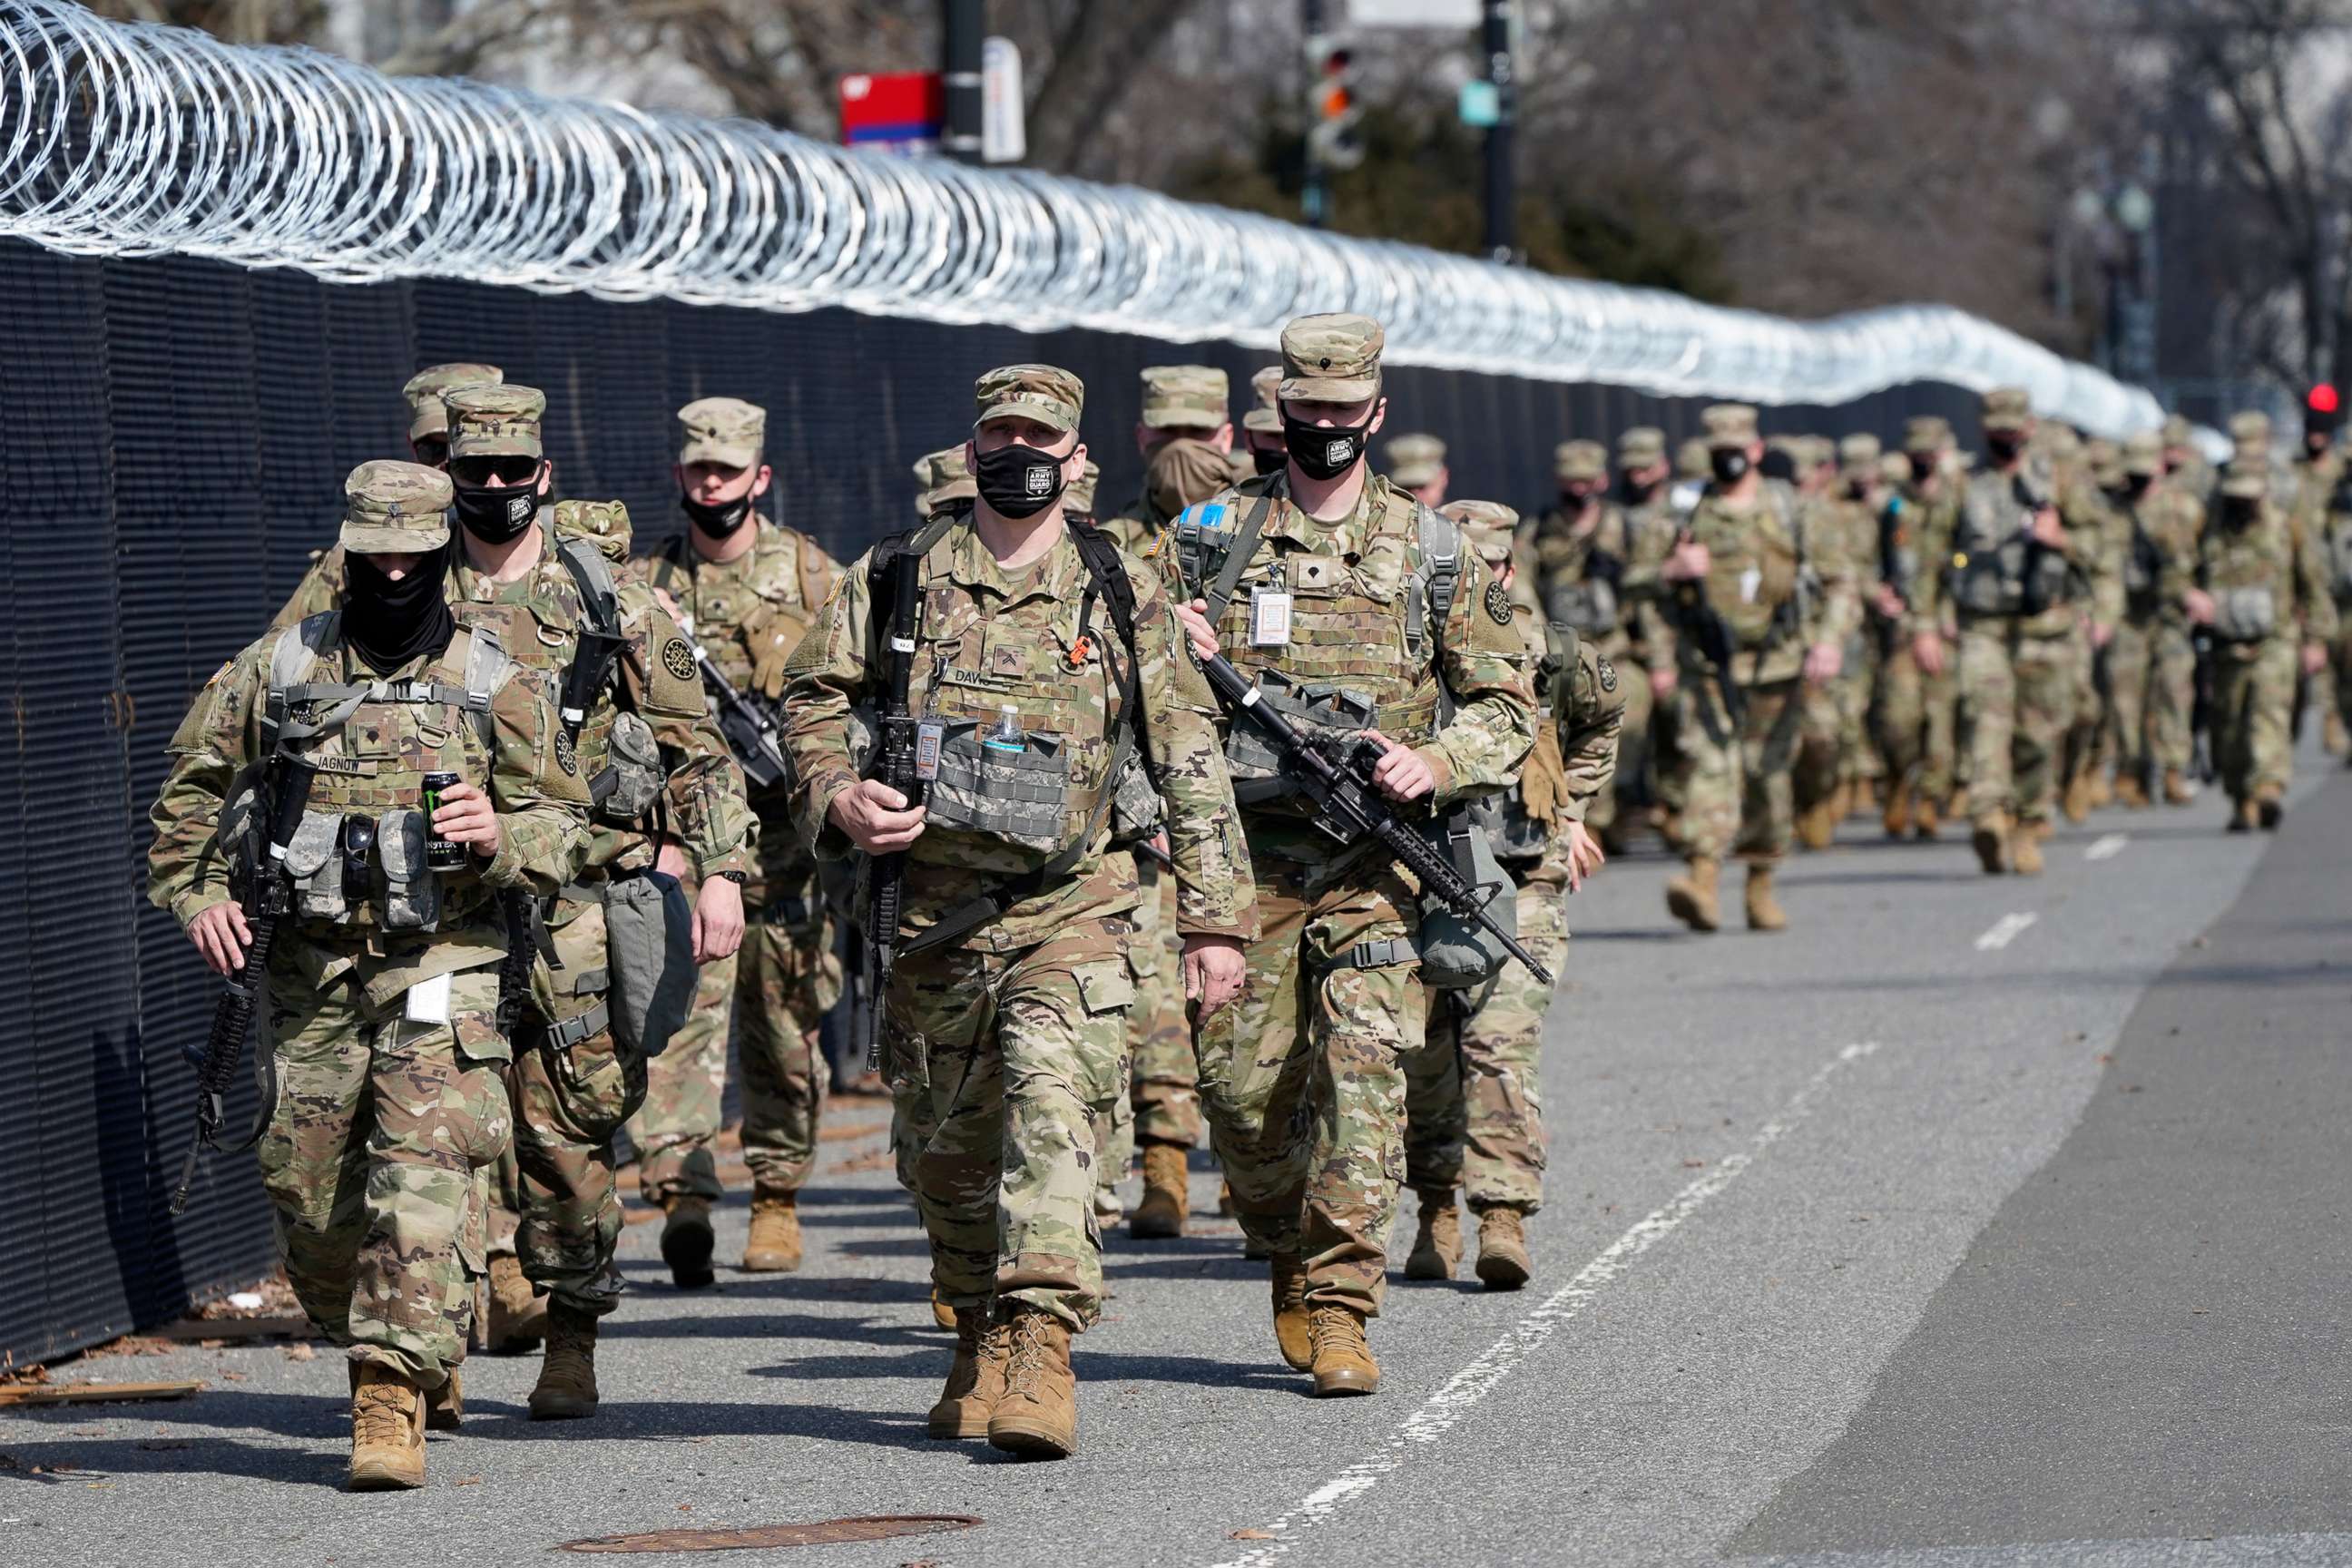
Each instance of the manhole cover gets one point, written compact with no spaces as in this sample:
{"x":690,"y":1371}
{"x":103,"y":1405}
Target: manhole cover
{"x":826,"y":1533}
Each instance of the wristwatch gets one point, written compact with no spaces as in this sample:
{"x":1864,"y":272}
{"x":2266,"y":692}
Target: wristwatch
{"x":738,"y":877}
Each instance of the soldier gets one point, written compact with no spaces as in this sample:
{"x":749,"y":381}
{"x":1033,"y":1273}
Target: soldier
{"x":2260,"y":586}
{"x":1078,"y":501}
{"x":321,"y":587}
{"x":383,"y":982}
{"x":1330,"y":583}
{"x":2319,"y":470}
{"x":1473,"y":1098}
{"x":1840,"y":523}
{"x":553,"y":582}
{"x":1690,"y":477}
{"x":1185,"y":436}
{"x":2097,"y":597}
{"x":1580,"y":551}
{"x":743,"y":589}
{"x":2151,"y":664}
{"x":2183,"y":463}
{"x":1262,"y":426}
{"x":1642,"y":471}
{"x":2014,"y":566}
{"x":1003,"y":1026}
{"x":1915,"y":706}
{"x":1752,"y":615}
{"x":941,"y":478}
{"x":1417,"y":467}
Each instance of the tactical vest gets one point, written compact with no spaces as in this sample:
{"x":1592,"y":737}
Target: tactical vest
{"x":1503,"y":815}
{"x":1998,"y":569}
{"x":1754,"y":576}
{"x":2250,"y":572}
{"x":2143,"y":571}
{"x":1363,"y":634}
{"x":372,"y":743}
{"x":1580,"y":583}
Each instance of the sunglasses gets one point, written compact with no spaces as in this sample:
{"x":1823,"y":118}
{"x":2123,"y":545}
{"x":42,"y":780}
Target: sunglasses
{"x":475,"y":473}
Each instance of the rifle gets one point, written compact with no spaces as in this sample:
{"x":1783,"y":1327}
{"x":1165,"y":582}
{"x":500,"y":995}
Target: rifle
{"x":1704,"y":624}
{"x":2021,"y":489}
{"x":1894,"y":570}
{"x":896,"y":764}
{"x":1351,"y":809}
{"x":284,"y":791}
{"x":749,"y":728}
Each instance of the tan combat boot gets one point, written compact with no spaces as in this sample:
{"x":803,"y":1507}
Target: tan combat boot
{"x":686,"y":1242}
{"x":2130,"y":793}
{"x":2103,"y":789}
{"x":1036,"y":1417}
{"x":1958,"y":806}
{"x":2270,"y":807}
{"x":1502,"y":1260}
{"x":975,"y":1378}
{"x":387,"y":1431}
{"x":2332,"y":737}
{"x":445,"y":1407}
{"x":2025,"y":848}
{"x":774,"y":1246}
{"x":1166,"y":1195}
{"x":1861,"y":796}
{"x":1896,"y":817}
{"x":1343,"y":1362}
{"x":1816,"y":824}
{"x":941,"y":1313}
{"x":1991,"y":841}
{"x":1691,"y":897}
{"x":2076,"y":802}
{"x":1437,"y":1245}
{"x":566,"y":1390}
{"x":518,"y":1313}
{"x":1764,"y":911}
{"x":1291,"y":1335}
{"x":2177,"y":790}
{"x":1925,"y":823}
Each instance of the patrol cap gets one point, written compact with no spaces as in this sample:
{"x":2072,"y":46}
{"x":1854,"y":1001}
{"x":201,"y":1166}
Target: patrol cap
{"x":1690,"y":460}
{"x":1728,"y":423}
{"x":2245,"y":479}
{"x":1641,"y":446}
{"x":495,"y":421}
{"x":1893,"y":467}
{"x":1858,"y":455}
{"x":723,"y":430}
{"x":1486,"y":527}
{"x":2007,"y":408}
{"x":1579,"y":460}
{"x":1044,"y":393}
{"x":1331,"y":359}
{"x":2178,"y":431}
{"x":1416,"y":460}
{"x":2143,"y":454}
{"x":427,"y":416}
{"x":393,"y":508}
{"x":2105,"y":461}
{"x":1927,"y":433}
{"x":2059,"y":439}
{"x":1079,"y":496}
{"x":1266,"y":385}
{"x":2251,"y":427}
{"x":940,"y":477}
{"x":1184,"y":396}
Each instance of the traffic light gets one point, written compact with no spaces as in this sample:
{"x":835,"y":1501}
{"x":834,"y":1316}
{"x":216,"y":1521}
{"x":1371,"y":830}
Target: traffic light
{"x":2321,"y":410}
{"x":1332,"y":113}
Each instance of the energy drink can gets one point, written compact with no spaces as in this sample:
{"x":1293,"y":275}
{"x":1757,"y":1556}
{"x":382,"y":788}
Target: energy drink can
{"x":440,"y":853}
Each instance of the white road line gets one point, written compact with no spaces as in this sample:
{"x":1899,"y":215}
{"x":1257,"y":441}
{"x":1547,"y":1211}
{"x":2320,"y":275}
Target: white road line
{"x":1443,"y":1410}
{"x":2107,"y":846}
{"x":2005,"y":931}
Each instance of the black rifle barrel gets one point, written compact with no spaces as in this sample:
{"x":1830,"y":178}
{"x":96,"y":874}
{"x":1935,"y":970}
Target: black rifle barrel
{"x":894,"y":760}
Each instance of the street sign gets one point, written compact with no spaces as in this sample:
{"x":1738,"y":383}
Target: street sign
{"x":893,"y":111}
{"x":1412,"y":13}
{"x":1003,"y":133}
{"x":1481,"y":104}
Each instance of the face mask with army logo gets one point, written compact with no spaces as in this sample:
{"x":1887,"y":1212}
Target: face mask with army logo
{"x":495,"y":515}
{"x":1019,"y":481}
{"x":717,"y":519}
{"x":1325,"y":451}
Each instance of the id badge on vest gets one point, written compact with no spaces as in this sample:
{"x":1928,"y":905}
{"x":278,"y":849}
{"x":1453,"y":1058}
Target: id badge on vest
{"x":1749,"y":581}
{"x":1269,"y":618}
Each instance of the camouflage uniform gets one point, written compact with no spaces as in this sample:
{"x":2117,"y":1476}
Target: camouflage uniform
{"x":1006,"y":1047}
{"x":1417,"y":463}
{"x":1262,"y":424}
{"x":2329,"y":529}
{"x":748,"y":613}
{"x":1488,"y":1131}
{"x":2098,"y":605}
{"x":2151,"y":663}
{"x":1184,"y":408}
{"x":1574,"y":562}
{"x":942,"y":477}
{"x":1301,"y":1077}
{"x":1648,"y":518}
{"x":386,"y":1104}
{"x":1840,"y":525}
{"x":2271,"y":597}
{"x":2019,"y":627}
{"x":1915,"y":710}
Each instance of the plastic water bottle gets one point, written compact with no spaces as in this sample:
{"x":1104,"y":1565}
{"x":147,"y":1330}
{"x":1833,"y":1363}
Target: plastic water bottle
{"x":1006,"y":736}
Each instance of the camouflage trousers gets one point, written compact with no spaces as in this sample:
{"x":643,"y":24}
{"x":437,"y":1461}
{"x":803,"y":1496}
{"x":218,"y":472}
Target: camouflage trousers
{"x":777,"y":989}
{"x":569,"y":1101}
{"x":1733,"y":778}
{"x":2084,"y":738}
{"x":1633,"y":781}
{"x":2017,"y":698}
{"x":1167,"y":1099}
{"x":1003,"y":1069}
{"x":1830,"y":749}
{"x":1302,"y":1078}
{"x":2151,"y":687}
{"x":1474,"y":1092}
{"x":1915,"y":721}
{"x":2253,"y":707}
{"x":371,"y":1157}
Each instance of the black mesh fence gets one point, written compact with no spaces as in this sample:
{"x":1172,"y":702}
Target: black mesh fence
{"x":174,"y":434}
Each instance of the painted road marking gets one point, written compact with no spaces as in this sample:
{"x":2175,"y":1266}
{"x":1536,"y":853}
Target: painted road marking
{"x":2005,"y":931}
{"x":1443,"y":1410}
{"x":2107,"y":848}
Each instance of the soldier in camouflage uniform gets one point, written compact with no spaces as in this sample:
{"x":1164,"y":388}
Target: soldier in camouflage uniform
{"x":941,"y":478}
{"x":383,"y":981}
{"x":2151,"y":663}
{"x":1643,"y":472}
{"x":1417,"y":467}
{"x":1261,"y":433}
{"x":1915,"y":707}
{"x":2184,"y":465}
{"x":1786,"y":609}
{"x":2096,"y":597}
{"x":1320,"y":579}
{"x":2261,"y":589}
{"x":1474,"y":1105}
{"x":2318,"y":471}
{"x":1004,"y":1028}
{"x":744,"y":589}
{"x":1580,"y":551}
{"x":2009,"y":568}
{"x":2328,"y":526}
{"x":1185,"y":437}
{"x":1841,"y":524}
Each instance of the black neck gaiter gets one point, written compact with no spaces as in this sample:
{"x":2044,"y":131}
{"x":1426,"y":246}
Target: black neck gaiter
{"x":388,"y":623}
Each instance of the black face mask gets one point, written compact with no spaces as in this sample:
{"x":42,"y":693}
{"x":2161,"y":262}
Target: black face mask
{"x":717,"y":519}
{"x":1325,"y":451}
{"x":1019,"y":481}
{"x":2136,"y":485}
{"x":2002,"y":447}
{"x":1922,"y":467}
{"x":1637,"y":494}
{"x":496,"y":516}
{"x":2239,"y":510}
{"x":388,"y":623}
{"x":1268,"y":459}
{"x":1729,"y":463}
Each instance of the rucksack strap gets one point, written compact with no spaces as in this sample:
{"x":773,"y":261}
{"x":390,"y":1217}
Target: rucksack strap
{"x":1220,"y":594}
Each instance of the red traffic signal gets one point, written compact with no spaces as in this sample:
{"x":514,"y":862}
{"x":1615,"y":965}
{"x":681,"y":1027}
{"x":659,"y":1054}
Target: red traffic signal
{"x":2322,"y":399}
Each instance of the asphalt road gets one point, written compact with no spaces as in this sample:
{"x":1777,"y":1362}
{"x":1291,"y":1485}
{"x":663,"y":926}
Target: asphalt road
{"x":1971,"y":1221}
